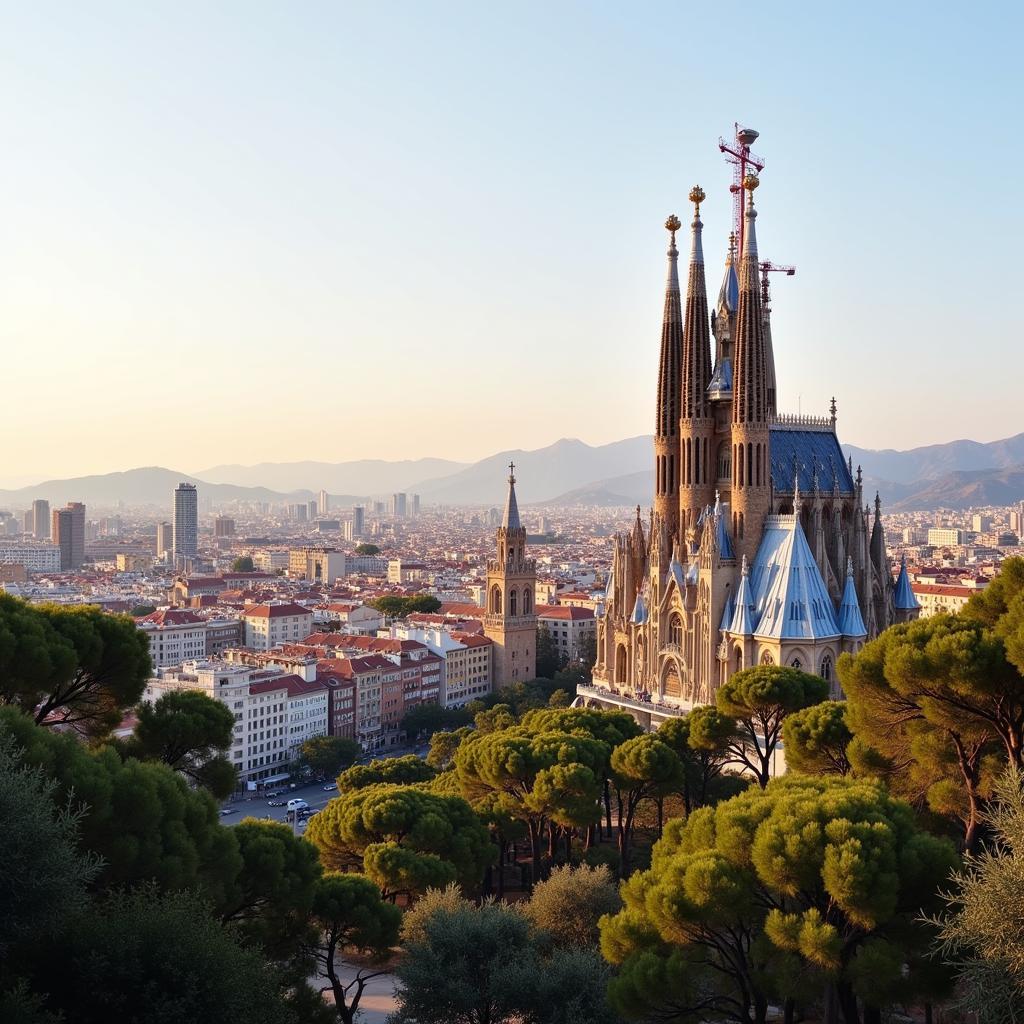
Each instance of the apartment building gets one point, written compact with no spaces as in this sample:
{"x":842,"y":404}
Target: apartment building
{"x":573,"y":628}
{"x":275,"y":623}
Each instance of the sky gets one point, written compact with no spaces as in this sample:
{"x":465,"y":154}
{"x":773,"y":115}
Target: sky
{"x":247,"y":232}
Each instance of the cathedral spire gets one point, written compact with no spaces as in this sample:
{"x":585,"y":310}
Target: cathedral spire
{"x":750,"y":378}
{"x":510,"y":521}
{"x":666,"y":427}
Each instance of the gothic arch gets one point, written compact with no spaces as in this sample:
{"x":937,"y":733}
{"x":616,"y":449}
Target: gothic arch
{"x":767,"y":658}
{"x":672,"y":675}
{"x":675,"y":629}
{"x":621,"y":663}
{"x":513,"y":601}
{"x":496,"y":599}
{"x":527,"y":601}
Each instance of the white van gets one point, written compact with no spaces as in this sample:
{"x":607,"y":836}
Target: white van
{"x":297,"y":805}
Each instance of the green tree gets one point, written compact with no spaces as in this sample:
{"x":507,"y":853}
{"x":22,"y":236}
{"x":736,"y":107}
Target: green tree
{"x":404,"y":839}
{"x":641,"y":768}
{"x":72,"y":664}
{"x":816,"y":739}
{"x":443,"y":746}
{"x":936,"y":708}
{"x":396,"y":771}
{"x":45,"y":875}
{"x":425,"y":719}
{"x":485,"y":966}
{"x":424,"y":603}
{"x":367,"y":549}
{"x":142,"y":956}
{"x":270,"y":898}
{"x":329,"y":754}
{"x":811,"y":881}
{"x":242,"y":564}
{"x":501,"y":716}
{"x":141,"y":818}
{"x":535,"y":777}
{"x":350,"y":916}
{"x":141,"y":610}
{"x":549,"y":658}
{"x":569,"y":904}
{"x":701,"y":740}
{"x":759,"y":699}
{"x":191,"y":733}
{"x":979,"y":937}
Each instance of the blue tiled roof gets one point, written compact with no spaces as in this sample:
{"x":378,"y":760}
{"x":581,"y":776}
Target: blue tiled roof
{"x":851,"y":622}
{"x":904,"y":599}
{"x":795,"y":452}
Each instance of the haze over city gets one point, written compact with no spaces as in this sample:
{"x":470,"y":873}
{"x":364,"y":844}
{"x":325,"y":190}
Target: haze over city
{"x":377,"y":218}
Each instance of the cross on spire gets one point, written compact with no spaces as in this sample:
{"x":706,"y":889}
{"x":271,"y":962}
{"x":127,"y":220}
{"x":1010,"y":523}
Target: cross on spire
{"x":511,"y":472}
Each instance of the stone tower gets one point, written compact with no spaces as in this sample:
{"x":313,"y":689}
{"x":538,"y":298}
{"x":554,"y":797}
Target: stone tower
{"x":697,"y":423}
{"x":666,"y":426}
{"x":751,"y":490}
{"x":511,"y":621}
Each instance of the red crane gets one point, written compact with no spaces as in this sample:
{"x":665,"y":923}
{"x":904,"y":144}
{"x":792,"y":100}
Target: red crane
{"x":738,"y":154}
{"x":771,"y":268}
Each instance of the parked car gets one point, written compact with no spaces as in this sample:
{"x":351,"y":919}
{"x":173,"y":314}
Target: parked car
{"x":297,"y":804}
{"x":271,"y":793}
{"x":275,"y":803}
{"x":330,"y":787}
{"x":227,"y":810}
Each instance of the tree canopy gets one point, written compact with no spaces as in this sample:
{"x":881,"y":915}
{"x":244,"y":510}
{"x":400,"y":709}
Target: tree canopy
{"x":405,"y":839}
{"x":399,"y":771}
{"x":367,"y":549}
{"x":759,"y":698}
{"x":75,"y":665}
{"x":395,"y":606}
{"x":191,"y":733}
{"x":329,"y":754}
{"x":242,"y":564}
{"x":816,"y":739}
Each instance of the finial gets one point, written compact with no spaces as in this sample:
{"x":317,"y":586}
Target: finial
{"x":732,"y":244}
{"x":849,"y":565}
{"x":750,"y":182}
{"x":832,"y":409}
{"x":511,"y":472}
{"x":744,"y":569}
{"x":796,"y":495}
{"x":697,"y":196}
{"x":860,"y":475}
{"x":878,"y":504}
{"x":673,"y":224}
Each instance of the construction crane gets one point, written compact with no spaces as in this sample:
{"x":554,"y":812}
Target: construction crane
{"x":743,"y":163}
{"x":771,"y":268}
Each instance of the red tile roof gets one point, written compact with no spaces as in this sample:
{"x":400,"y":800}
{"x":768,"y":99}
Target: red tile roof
{"x":274,"y":611}
{"x":296,"y":686}
{"x":563,"y":612}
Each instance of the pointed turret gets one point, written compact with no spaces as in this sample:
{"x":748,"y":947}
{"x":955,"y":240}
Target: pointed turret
{"x":723,"y":323}
{"x":750,"y":483}
{"x":510,"y":520}
{"x":744,"y":620}
{"x":904,"y":599}
{"x":851,"y":621}
{"x":697,"y":426}
{"x":666,"y":427}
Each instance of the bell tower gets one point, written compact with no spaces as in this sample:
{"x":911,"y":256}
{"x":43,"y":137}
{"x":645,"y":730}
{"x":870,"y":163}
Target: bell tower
{"x":511,"y":620}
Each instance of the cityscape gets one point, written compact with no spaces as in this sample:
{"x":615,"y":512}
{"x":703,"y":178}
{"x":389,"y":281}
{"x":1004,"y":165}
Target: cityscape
{"x":418,"y":708}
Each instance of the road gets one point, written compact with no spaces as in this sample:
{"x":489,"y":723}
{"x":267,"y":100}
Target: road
{"x":251,"y":805}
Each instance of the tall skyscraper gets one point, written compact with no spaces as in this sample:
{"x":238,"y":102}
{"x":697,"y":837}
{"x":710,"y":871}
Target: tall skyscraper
{"x":223,"y":526}
{"x":415,"y":504}
{"x":358,"y":520}
{"x":186,"y":521}
{"x":68,"y":533}
{"x":164,"y":540}
{"x":312,"y":507}
{"x":27,"y":521}
{"x":323,"y":503}
{"x":398,"y":505}
{"x":41,"y":519}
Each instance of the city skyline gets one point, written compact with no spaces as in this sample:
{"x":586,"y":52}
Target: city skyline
{"x":408,"y":198}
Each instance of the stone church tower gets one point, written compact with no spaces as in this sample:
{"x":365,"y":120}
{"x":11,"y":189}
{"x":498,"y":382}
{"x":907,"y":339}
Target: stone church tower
{"x":511,"y":620}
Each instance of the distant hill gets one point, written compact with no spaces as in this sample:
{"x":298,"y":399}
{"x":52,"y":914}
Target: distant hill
{"x":628,"y":489}
{"x":965,"y":489}
{"x":364,"y":476}
{"x":542,"y":474}
{"x":568,"y":472}
{"x":151,"y":485}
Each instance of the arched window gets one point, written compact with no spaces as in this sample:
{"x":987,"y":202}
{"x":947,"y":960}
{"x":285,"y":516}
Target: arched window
{"x":620,"y":664}
{"x":675,"y":630}
{"x":527,"y":601}
{"x":496,"y":599}
{"x":512,"y":603}
{"x":796,"y":663}
{"x":767,"y":659}
{"x":724,"y":461}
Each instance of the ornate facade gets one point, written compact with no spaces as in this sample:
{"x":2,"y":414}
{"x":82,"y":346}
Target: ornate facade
{"x":759,"y":548}
{"x":511,"y":619}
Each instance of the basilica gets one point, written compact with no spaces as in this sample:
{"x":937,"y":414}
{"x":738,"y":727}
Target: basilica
{"x":760,"y":548}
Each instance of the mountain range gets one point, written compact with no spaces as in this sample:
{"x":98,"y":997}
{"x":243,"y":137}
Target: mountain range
{"x":956,"y":475}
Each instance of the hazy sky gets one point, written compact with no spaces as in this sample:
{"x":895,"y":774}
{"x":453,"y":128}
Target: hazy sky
{"x":237,"y":232}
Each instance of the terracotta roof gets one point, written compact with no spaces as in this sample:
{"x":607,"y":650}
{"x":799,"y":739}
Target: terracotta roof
{"x":471,"y":639}
{"x":561,"y":611}
{"x":172,"y":617}
{"x":296,"y":686}
{"x":944,"y":591}
{"x":274,"y":611}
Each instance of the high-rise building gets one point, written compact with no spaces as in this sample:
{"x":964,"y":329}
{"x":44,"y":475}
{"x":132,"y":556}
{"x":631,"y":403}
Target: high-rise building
{"x":28,"y":522}
{"x":311,"y":507}
{"x":980,"y":523}
{"x":358,"y":521}
{"x":759,"y":549}
{"x":185,"y":530}
{"x":511,"y":620}
{"x":415,"y":504}
{"x":323,"y":503}
{"x":41,"y":519}
{"x":398,"y":506}
{"x":164,"y":540}
{"x":223,"y":526}
{"x":67,"y":529}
